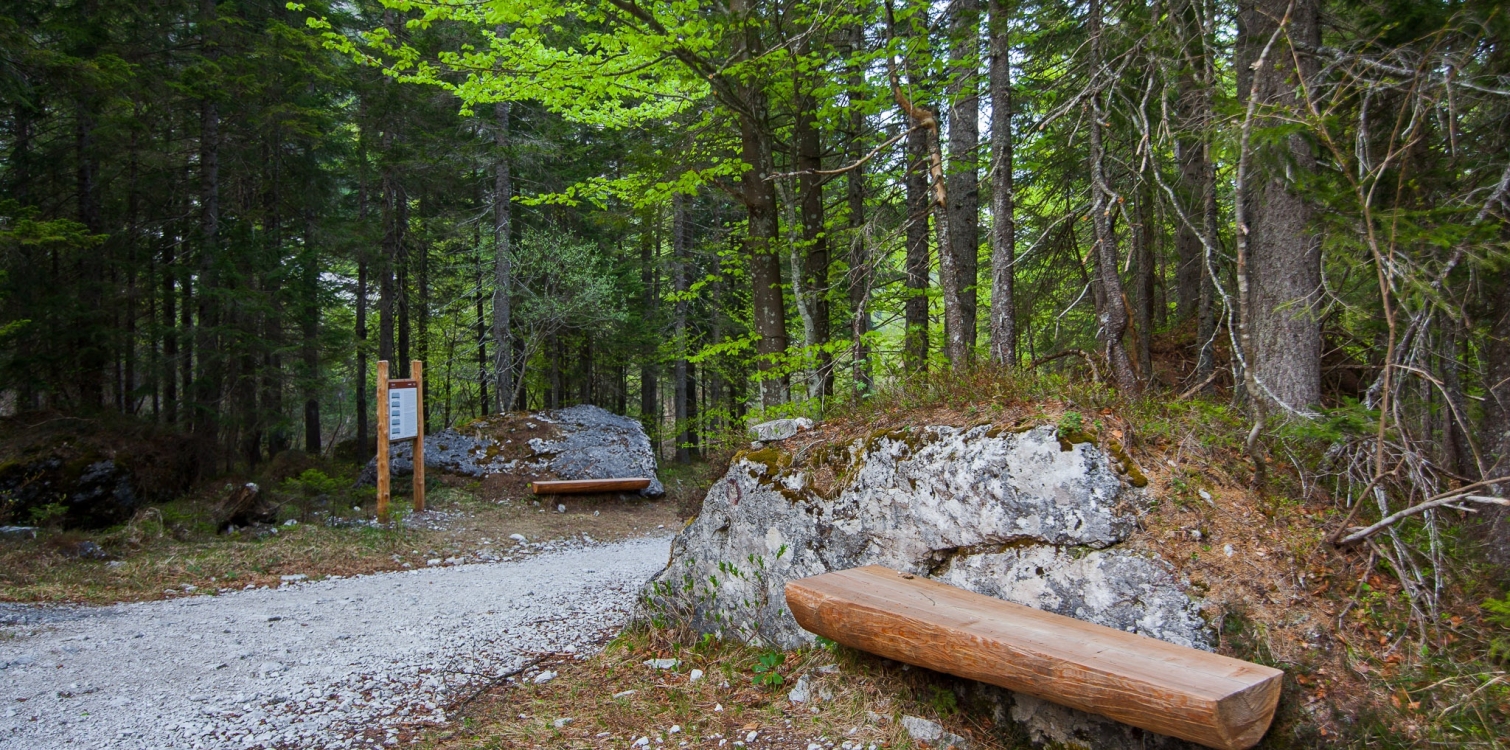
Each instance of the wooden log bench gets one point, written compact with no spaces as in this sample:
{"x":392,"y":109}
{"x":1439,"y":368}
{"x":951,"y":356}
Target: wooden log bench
{"x":1207,"y":698}
{"x":581,"y":486}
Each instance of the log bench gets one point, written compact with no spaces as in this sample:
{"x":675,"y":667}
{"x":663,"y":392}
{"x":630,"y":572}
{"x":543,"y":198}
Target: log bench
{"x":1213,"y":700}
{"x":581,"y":486}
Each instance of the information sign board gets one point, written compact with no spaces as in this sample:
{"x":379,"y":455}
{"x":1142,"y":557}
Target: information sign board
{"x":403,"y":411}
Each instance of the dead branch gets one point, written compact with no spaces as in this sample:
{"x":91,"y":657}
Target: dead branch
{"x":1455,"y":496}
{"x":1081,"y":353}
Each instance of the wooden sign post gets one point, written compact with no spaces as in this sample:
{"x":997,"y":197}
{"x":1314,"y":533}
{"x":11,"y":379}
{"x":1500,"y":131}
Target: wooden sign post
{"x":401,"y":416}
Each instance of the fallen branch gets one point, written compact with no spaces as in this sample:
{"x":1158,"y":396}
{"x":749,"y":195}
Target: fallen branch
{"x":1457,"y":495}
{"x":1081,"y":353}
{"x":1198,"y":386}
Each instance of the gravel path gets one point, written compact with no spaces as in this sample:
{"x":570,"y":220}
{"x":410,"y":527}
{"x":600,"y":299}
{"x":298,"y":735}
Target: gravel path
{"x":357,"y":662}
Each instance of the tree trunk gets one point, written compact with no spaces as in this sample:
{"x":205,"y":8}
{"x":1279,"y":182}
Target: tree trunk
{"x":1003,"y":221}
{"x":964,"y":161}
{"x":361,"y":290}
{"x":401,"y":282}
{"x":679,"y":325}
{"x":207,"y":385}
{"x":925,"y":121}
{"x":650,"y":413}
{"x":503,"y":274}
{"x":311,"y":344}
{"x":1191,"y":101}
{"x":809,"y":159}
{"x":915,"y":309}
{"x":483,"y":403}
{"x":1285,"y":263}
{"x":1143,"y":272}
{"x":1494,"y":436}
{"x":386,"y":263}
{"x":1114,"y":310}
{"x":758,"y":193}
{"x":170,"y":336}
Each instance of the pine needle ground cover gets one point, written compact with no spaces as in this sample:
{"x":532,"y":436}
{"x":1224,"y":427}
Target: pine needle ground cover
{"x":1360,"y":671}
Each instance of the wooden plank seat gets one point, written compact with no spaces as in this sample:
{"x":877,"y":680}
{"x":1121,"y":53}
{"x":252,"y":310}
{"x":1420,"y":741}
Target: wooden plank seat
{"x":1207,"y":698}
{"x":580,"y":486}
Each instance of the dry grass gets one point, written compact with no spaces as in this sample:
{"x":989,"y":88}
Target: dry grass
{"x":613,"y":699}
{"x":153,"y":558}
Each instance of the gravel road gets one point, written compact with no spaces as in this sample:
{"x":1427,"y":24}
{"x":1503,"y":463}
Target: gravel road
{"x":356,"y":662}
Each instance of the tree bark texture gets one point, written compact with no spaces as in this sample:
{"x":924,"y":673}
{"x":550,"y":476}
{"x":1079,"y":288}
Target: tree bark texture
{"x":1285,"y":263}
{"x":503,"y":275}
{"x":679,"y":326}
{"x":1494,"y":435}
{"x":809,"y":160}
{"x":1003,"y":221}
{"x":1113,"y":311}
{"x":861,"y":274}
{"x":963,"y":178}
{"x":915,"y":309}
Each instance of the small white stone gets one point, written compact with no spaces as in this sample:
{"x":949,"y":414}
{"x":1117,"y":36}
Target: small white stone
{"x":544,"y":677}
{"x":662,"y":663}
{"x":558,"y":723}
{"x":697,"y":674}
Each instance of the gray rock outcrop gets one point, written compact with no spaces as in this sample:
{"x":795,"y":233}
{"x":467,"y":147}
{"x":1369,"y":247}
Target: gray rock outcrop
{"x":84,"y":493}
{"x":1024,"y":517}
{"x":584,"y":442}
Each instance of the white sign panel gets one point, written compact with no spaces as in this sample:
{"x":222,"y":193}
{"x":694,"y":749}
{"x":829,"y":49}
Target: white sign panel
{"x":403,"y":413}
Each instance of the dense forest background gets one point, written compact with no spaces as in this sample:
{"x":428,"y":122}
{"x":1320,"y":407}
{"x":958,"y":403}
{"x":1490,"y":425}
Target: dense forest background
{"x":217,"y":216}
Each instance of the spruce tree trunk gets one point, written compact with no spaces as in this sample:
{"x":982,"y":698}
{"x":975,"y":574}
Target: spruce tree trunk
{"x":679,"y":325}
{"x":503,"y":275}
{"x":483,"y":370}
{"x":1285,"y":251}
{"x":1494,"y":436}
{"x":1113,"y":311}
{"x":650,"y":413}
{"x":1143,"y":273}
{"x":310,"y":324}
{"x":363,"y":268}
{"x":915,"y":309}
{"x":964,"y":160}
{"x":207,"y":384}
{"x":386,"y":302}
{"x":1003,"y":221}
{"x":758,"y":193}
{"x":1191,"y":102}
{"x":809,"y":159}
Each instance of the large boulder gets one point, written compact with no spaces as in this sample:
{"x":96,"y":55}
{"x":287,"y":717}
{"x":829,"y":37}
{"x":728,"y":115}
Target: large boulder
{"x":77,"y":492}
{"x":578,"y":442}
{"x":1023,"y":516}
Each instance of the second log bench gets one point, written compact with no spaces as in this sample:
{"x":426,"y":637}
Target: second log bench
{"x":582,"y":486}
{"x":1207,"y":698}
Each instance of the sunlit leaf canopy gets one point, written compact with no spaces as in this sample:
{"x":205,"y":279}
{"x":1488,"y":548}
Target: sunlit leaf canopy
{"x":566,"y":56}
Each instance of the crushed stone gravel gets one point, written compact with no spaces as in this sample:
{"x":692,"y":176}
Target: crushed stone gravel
{"x":334,"y":663}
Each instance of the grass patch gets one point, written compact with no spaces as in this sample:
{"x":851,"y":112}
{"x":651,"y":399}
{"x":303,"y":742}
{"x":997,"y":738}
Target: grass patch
{"x":613,"y":699}
{"x":173,"y":550}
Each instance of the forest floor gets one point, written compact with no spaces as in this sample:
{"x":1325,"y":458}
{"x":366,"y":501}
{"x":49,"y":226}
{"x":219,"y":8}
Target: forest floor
{"x":1360,"y":671}
{"x":173,"y":550}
